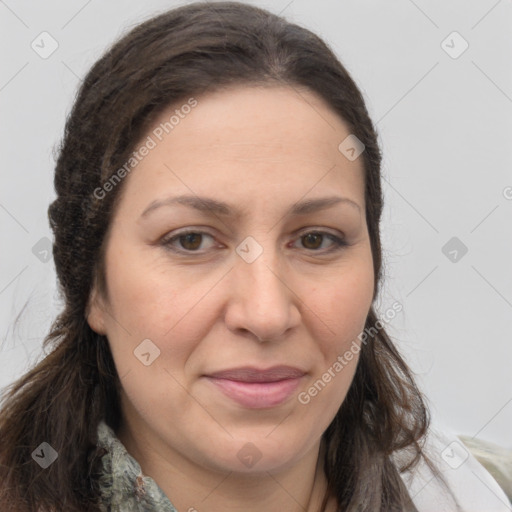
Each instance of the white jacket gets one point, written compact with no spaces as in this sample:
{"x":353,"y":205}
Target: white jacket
{"x":472,"y":486}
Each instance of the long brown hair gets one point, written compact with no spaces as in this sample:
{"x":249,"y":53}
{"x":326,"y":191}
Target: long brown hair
{"x":185,"y":52}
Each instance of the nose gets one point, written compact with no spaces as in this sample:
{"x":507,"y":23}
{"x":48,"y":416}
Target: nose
{"x":262,"y":300}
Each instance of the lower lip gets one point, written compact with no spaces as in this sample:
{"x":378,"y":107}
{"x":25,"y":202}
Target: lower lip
{"x":257,"y":395}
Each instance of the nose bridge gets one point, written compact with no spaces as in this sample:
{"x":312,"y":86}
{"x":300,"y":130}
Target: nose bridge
{"x":263,"y":300}
{"x":261,"y":269}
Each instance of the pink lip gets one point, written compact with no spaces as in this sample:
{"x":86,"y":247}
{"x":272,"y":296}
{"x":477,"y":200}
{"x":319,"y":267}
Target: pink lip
{"x":258,"y":389}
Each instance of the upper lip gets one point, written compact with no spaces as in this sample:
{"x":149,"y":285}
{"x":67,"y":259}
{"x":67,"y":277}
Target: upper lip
{"x":251,"y":374}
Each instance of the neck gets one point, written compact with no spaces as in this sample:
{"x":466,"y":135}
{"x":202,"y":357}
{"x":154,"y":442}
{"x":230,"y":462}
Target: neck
{"x":194,"y":488}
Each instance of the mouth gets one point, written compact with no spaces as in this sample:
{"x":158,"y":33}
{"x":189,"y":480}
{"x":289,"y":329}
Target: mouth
{"x":255,"y":388}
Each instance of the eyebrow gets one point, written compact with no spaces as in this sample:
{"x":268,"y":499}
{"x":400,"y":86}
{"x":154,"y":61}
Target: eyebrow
{"x":209,"y":205}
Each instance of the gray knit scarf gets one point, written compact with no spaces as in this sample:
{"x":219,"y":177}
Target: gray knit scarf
{"x":123,"y":486}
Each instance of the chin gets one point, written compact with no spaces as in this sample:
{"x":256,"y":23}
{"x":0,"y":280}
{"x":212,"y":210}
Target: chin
{"x":253,"y":454}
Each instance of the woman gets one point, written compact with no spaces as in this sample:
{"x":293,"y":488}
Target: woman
{"x":217,"y":245}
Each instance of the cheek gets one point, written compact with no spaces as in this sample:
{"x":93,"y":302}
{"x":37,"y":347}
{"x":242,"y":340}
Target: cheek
{"x":150,"y":301}
{"x":144,"y":294}
{"x":153,"y":305}
{"x":350,"y":304}
{"x":343,"y":306}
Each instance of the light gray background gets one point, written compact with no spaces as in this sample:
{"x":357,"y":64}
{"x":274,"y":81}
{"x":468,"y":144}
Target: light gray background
{"x":445,"y":126}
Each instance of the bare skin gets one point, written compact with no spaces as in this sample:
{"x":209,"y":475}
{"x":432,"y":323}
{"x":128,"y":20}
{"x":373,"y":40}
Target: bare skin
{"x":302,"y":302}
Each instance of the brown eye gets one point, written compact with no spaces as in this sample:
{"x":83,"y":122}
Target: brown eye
{"x":312,"y":240}
{"x":190,"y":241}
{"x":315,"y":241}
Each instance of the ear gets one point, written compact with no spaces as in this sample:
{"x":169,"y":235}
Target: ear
{"x":95,"y":312}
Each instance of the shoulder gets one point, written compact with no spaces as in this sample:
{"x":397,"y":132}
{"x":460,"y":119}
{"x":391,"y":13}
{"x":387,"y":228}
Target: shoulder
{"x":496,"y":459}
{"x":467,"y":487}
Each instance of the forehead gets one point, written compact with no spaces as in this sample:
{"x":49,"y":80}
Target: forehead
{"x":268,"y":140}
{"x":264,"y":121}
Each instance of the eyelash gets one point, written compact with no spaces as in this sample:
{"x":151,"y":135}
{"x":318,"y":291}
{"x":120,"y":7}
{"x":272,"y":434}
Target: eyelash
{"x":338,"y":243}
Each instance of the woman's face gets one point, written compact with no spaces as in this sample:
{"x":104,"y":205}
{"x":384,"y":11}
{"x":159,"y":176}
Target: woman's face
{"x":231,"y":342}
